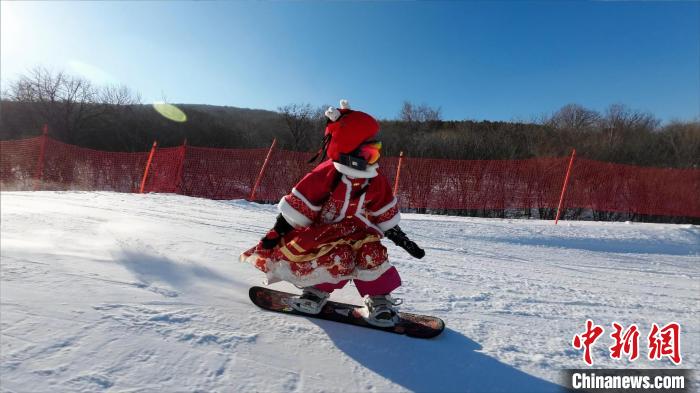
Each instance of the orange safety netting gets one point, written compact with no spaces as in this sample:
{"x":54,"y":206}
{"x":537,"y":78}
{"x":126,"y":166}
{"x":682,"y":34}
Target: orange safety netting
{"x":19,"y":161}
{"x":43,"y":163}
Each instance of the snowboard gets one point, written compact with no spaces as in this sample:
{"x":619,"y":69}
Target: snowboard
{"x":412,"y":325}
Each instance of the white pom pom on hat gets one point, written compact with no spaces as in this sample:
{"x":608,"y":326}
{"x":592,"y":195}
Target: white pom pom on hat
{"x":332,"y":113}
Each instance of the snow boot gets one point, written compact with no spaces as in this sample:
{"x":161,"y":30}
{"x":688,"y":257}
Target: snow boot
{"x":381,"y":310}
{"x":311,"y":301}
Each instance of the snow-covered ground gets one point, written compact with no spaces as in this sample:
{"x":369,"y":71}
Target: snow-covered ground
{"x":124,"y":292}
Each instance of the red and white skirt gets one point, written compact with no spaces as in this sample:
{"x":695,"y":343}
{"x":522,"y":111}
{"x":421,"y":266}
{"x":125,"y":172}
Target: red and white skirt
{"x":323,"y":253}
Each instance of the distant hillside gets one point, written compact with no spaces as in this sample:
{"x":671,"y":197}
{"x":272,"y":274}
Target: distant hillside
{"x":619,"y":135}
{"x":135,"y":127}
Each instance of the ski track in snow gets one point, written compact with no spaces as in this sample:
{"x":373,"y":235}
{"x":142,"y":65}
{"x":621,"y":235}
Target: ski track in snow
{"x":124,"y":292}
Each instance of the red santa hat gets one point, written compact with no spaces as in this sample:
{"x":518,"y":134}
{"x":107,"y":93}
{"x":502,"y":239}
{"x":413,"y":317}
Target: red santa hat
{"x":348,"y":129}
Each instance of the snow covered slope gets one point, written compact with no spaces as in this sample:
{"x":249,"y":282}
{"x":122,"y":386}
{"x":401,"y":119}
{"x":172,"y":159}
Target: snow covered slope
{"x":123,"y":292}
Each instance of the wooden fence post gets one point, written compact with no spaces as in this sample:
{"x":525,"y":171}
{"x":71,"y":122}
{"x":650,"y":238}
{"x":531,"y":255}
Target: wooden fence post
{"x":398,"y":173}
{"x":39,"y":175}
{"x":566,"y":182}
{"x":148,"y":167}
{"x":262,"y":170}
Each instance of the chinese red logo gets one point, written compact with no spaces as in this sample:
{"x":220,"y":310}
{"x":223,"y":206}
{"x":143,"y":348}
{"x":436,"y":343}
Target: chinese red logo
{"x":627,"y":343}
{"x":587,"y":339}
{"x":662,"y":342}
{"x":665,"y":342}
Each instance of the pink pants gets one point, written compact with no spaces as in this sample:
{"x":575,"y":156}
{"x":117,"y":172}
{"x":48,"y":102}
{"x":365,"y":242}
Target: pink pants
{"x":383,"y":285}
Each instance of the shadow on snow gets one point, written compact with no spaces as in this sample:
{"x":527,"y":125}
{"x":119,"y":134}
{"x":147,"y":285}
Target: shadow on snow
{"x":447,"y":363}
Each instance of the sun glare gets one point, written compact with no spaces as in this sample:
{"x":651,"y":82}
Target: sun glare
{"x":92,"y":72}
{"x":13,"y":31}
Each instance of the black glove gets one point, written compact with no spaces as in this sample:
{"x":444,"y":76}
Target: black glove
{"x":399,"y":238}
{"x":281,"y":228}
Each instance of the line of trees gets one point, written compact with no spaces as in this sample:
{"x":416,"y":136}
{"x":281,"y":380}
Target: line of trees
{"x":114,"y":118}
{"x":618,"y":135}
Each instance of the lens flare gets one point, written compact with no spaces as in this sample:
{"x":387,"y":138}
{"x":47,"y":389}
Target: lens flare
{"x":170,"y":112}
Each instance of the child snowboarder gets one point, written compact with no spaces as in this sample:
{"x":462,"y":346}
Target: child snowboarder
{"x":330,"y":225}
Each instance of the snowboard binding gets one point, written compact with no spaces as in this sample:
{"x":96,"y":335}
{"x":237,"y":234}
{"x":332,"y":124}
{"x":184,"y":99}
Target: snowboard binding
{"x":311,"y":301}
{"x":381,"y":310}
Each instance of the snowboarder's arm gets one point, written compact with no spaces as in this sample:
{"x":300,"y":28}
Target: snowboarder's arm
{"x":281,"y":228}
{"x":399,"y":238}
{"x":382,"y":209}
{"x":302,"y":206}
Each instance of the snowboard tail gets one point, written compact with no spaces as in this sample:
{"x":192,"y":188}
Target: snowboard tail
{"x":412,"y":325}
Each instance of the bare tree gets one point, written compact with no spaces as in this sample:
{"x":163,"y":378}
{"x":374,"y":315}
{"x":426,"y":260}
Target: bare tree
{"x":574,"y":117}
{"x":620,"y":122}
{"x":683,"y":139}
{"x":423,"y":113}
{"x":620,"y":117}
{"x":418,"y":120}
{"x":303,"y":121}
{"x":67,"y":103}
{"x":119,"y":96}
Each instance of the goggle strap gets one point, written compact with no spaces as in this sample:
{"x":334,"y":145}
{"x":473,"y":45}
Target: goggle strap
{"x":322,"y":150}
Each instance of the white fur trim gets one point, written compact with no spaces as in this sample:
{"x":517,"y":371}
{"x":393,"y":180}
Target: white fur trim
{"x":344,"y":104}
{"x":346,"y":202}
{"x":364,"y":219}
{"x":386,"y":225}
{"x":361,"y":206}
{"x":281,"y":271}
{"x":299,"y":195}
{"x":368,"y":173}
{"x":385,"y":208}
{"x":292,"y":216}
{"x":332,"y":113}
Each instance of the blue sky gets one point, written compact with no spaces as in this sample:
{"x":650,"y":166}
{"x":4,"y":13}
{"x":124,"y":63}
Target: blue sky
{"x":475,"y":60}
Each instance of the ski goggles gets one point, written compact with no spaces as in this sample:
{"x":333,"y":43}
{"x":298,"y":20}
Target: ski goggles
{"x":366,"y":154}
{"x":370,"y":151}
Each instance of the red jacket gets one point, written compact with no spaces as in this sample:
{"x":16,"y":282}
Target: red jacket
{"x":332,"y":192}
